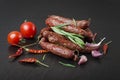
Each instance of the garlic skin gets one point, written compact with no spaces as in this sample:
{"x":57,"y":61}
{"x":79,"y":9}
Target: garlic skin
{"x":95,"y":45}
{"x":83,"y":59}
{"x":96,"y":53}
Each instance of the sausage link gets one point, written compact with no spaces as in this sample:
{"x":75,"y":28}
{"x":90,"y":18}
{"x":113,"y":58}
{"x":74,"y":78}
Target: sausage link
{"x":58,"y":39}
{"x":45,"y":29}
{"x":69,"y":44}
{"x":53,"y":22}
{"x":59,"y":18}
{"x":91,"y":35}
{"x":70,"y":28}
{"x":61,"y":40}
{"x":50,"y":33}
{"x":84,"y":24}
{"x":57,"y":49}
{"x":87,"y":33}
{"x":81,"y":23}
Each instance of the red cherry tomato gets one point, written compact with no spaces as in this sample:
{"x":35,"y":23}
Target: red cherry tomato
{"x":14,"y":37}
{"x":28,"y":29}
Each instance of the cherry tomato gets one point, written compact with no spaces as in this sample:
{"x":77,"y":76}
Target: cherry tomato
{"x":14,"y":37}
{"x":28,"y":29}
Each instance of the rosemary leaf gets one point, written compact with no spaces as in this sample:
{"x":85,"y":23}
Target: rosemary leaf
{"x":77,"y":35}
{"x":76,"y":41}
{"x":57,"y":30}
{"x":66,"y":64}
{"x":61,"y":25}
{"x":66,"y":33}
{"x":71,"y":39}
{"x":71,"y":34}
{"x":75,"y":38}
{"x":80,"y":41}
{"x":62,"y":32}
{"x":82,"y":46}
{"x":43,"y":58}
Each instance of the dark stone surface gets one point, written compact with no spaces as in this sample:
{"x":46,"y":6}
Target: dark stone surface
{"x":105,"y":15}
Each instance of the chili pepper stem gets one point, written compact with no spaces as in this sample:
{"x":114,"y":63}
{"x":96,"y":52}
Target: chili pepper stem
{"x":30,"y":44}
{"x":38,"y":39}
{"x":26,"y":49}
{"x":94,"y":36}
{"x":108,"y":42}
{"x":42,"y":63}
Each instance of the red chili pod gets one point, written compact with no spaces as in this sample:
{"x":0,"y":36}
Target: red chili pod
{"x":28,"y":60}
{"x":34,"y":51}
{"x":105,"y":47}
{"x":18,"y":53}
{"x":32,"y":60}
{"x":94,"y":36}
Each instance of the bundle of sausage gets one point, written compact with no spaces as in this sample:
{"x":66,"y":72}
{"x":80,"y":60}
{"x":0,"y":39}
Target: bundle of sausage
{"x":62,"y":46}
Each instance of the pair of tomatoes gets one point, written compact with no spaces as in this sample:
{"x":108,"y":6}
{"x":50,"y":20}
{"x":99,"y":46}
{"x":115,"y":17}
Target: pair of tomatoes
{"x":27,"y":30}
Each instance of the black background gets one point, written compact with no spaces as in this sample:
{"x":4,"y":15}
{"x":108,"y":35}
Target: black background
{"x":105,"y":15}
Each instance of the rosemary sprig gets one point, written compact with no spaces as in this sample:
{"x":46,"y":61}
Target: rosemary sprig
{"x":71,"y":34}
{"x":57,"y":30}
{"x":42,"y":63}
{"x":71,"y":39}
{"x":75,"y":38}
{"x":66,"y":64}
{"x":79,"y":42}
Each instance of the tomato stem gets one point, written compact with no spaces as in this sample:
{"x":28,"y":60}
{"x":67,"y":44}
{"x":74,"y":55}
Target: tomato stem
{"x":22,"y":41}
{"x":25,"y":20}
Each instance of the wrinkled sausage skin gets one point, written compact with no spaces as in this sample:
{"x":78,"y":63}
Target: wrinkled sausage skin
{"x":45,"y":29}
{"x":82,"y":23}
{"x":57,"y":49}
{"x":77,"y":30}
{"x":70,"y":28}
{"x":58,"y":44}
{"x":52,"y":22}
{"x":61,"y":40}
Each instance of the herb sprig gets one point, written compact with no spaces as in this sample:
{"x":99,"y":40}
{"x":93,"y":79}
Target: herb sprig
{"x":75,"y":38}
{"x":66,"y":64}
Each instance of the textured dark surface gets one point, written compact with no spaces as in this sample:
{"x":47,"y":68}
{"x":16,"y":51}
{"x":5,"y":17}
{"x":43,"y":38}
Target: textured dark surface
{"x":105,"y":15}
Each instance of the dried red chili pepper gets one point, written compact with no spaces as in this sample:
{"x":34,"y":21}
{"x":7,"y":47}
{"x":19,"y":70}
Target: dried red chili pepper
{"x":105,"y":47}
{"x":18,"y":53}
{"x":94,"y":36}
{"x":34,"y":51}
{"x":32,"y":60}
